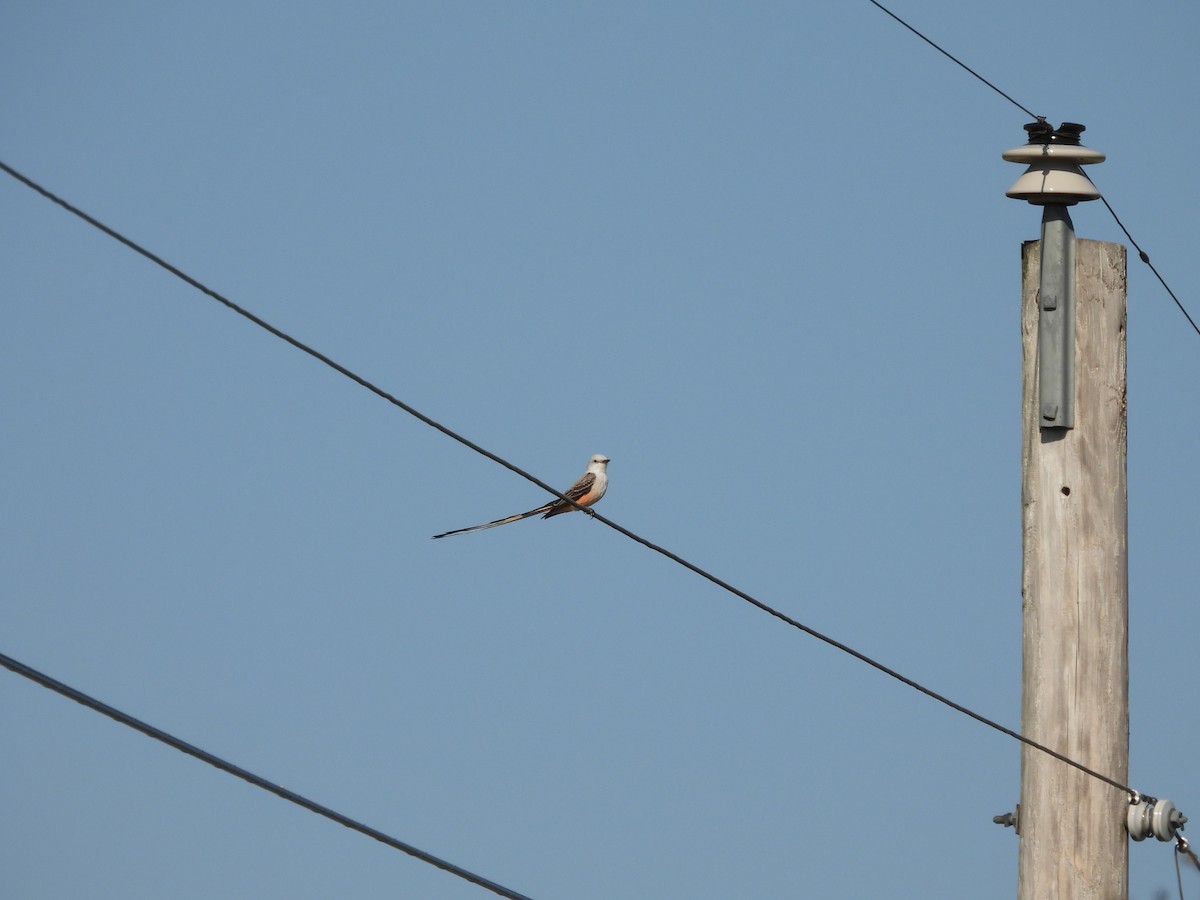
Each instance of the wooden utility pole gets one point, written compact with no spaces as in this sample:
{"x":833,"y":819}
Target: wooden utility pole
{"x":1074,"y":699}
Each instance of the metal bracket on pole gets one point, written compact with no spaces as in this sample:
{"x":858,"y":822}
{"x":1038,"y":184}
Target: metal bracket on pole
{"x":1056,"y":320}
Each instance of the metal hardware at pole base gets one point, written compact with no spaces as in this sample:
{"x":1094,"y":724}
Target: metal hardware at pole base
{"x":1010,"y":819}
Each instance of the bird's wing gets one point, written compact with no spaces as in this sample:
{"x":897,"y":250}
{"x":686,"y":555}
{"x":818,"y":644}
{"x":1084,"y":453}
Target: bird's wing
{"x":576,"y":491}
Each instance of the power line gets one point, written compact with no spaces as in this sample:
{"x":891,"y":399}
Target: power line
{"x":299,"y":345}
{"x":204,"y":756}
{"x":1142,"y":254}
{"x":1145,"y":257}
{"x":956,"y":60}
{"x":845,"y":648}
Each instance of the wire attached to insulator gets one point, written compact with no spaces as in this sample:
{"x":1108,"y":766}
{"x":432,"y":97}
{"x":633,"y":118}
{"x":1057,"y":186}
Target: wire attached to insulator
{"x":1182,"y":845}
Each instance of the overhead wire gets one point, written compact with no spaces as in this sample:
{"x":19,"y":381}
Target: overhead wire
{"x":955,"y":59}
{"x":258,"y":781}
{"x":1184,"y":846}
{"x":845,"y":648}
{"x":1145,"y":257}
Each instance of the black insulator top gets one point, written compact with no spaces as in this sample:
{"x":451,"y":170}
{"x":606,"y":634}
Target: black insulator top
{"x":1042,"y":132}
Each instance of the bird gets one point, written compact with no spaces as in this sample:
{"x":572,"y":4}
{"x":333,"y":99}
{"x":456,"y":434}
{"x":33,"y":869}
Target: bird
{"x":587,"y":490}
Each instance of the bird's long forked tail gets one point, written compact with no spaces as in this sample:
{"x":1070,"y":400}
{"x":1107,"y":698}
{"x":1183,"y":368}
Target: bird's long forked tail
{"x":504,"y":521}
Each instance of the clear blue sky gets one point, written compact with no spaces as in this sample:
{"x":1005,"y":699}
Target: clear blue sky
{"x":760,"y":255}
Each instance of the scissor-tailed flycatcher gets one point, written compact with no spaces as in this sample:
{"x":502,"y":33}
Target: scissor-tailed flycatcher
{"x":586,"y":491}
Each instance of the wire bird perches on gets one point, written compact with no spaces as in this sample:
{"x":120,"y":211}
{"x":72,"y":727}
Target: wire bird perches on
{"x":845,"y":648}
